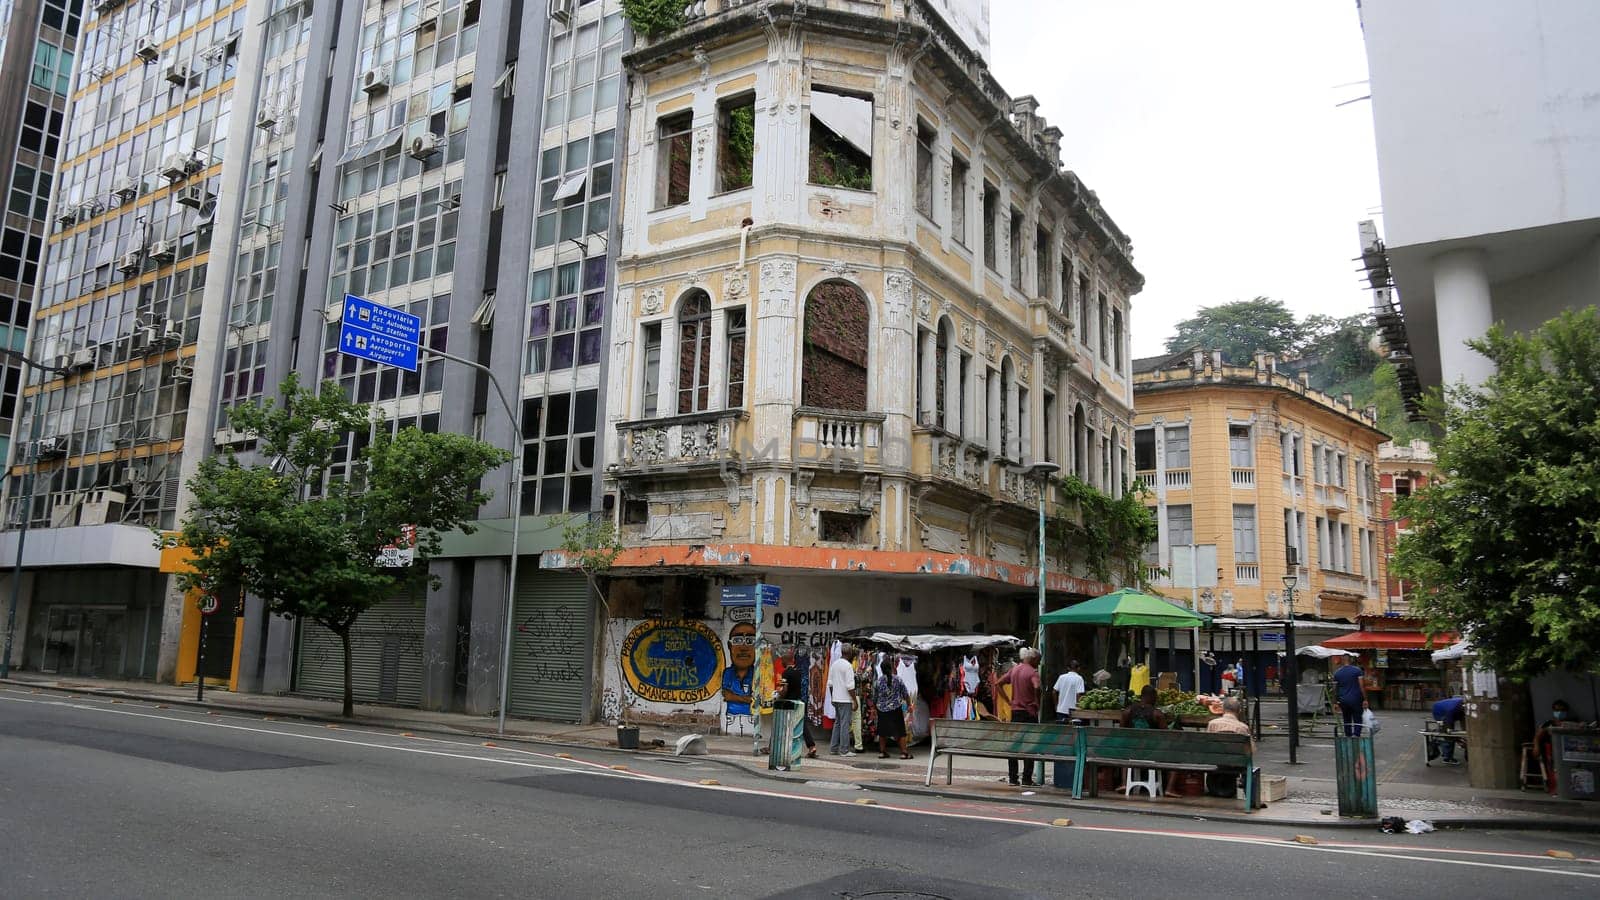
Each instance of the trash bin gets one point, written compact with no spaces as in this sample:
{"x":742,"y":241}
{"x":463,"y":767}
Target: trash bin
{"x":1356,"y":776}
{"x":788,"y":735}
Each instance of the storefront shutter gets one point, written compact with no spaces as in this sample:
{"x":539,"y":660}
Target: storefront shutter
{"x":550,"y":646}
{"x":385,"y":656}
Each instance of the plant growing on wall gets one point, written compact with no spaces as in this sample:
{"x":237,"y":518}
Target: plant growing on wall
{"x":591,"y":545}
{"x":1112,"y":533}
{"x":653,"y":18}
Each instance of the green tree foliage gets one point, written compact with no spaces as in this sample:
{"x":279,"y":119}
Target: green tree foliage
{"x":654,"y":18}
{"x":306,"y":540}
{"x":1507,"y":547}
{"x":1240,"y":330}
{"x":591,"y":545}
{"x":1112,"y":533}
{"x":1341,"y":347}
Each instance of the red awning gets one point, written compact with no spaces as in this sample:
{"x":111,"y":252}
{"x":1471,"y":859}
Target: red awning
{"x":1391,"y":640}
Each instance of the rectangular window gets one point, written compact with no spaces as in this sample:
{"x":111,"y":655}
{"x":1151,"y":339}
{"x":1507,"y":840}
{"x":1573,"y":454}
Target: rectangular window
{"x":1178,"y":447}
{"x":958,"y":199}
{"x":1043,"y":252}
{"x":1180,"y":526}
{"x":1083,"y":309}
{"x":564,"y":313}
{"x":926,"y":138}
{"x":651,"y":388}
{"x":559,"y":453}
{"x":1065,"y":300}
{"x":1244,"y":533}
{"x":1105,"y":330}
{"x":1323,"y":556}
{"x":1369,"y":554}
{"x":1402,"y":487}
{"x":1050,"y":428}
{"x":1144,"y":450}
{"x":841,"y":528}
{"x":1014,"y":236}
{"x":991,"y":214}
{"x":736,"y":345}
{"x":1340,"y":463}
{"x":1240,"y":454}
{"x":1345,"y":562}
{"x":736,"y":143}
{"x":674,"y":146}
{"x":1116,"y":338}
{"x":841,"y":140}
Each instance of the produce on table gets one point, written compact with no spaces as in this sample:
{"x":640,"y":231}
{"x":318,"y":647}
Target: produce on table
{"x":1173,"y":695}
{"x":1186,"y":708}
{"x":1103,"y":698}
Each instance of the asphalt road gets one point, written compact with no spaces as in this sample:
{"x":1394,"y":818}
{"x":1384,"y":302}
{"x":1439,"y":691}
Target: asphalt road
{"x":109,"y":799}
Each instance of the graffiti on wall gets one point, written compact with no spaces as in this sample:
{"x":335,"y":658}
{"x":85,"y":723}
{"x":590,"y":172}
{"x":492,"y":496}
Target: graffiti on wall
{"x":740,"y":673}
{"x":807,"y":627}
{"x":672,"y":661}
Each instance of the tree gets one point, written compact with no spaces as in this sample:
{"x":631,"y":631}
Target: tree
{"x":307,"y":537}
{"x":1342,"y":348}
{"x":1507,"y":547}
{"x":591,"y":545}
{"x":1240,"y":330}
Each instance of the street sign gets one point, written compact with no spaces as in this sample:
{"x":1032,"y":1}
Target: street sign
{"x":1272,"y":637}
{"x":208,"y":605}
{"x":746,"y":594}
{"x":402,"y":552}
{"x":379,"y":333}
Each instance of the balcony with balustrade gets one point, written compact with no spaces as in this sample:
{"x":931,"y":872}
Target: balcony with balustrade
{"x":677,"y":442}
{"x":826,"y":438}
{"x":1178,"y":480}
{"x":1244,"y":479}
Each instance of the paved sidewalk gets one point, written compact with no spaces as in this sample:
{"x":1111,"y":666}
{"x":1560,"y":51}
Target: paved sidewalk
{"x":1311,"y":799}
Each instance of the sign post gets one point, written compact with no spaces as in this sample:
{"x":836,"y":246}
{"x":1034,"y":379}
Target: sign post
{"x":208,"y":605}
{"x":758,"y":595}
{"x":379,"y":333}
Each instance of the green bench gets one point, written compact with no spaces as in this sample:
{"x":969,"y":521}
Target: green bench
{"x":1000,"y":740}
{"x":1144,"y":748}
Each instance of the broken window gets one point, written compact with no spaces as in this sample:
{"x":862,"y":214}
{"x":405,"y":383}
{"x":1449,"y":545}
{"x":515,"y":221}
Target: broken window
{"x":840,"y":528}
{"x":674,"y":140}
{"x":735,"y":346}
{"x":841,"y":140}
{"x":694,"y":352}
{"x":1144,"y":450}
{"x":958,"y":199}
{"x":991,"y":211}
{"x":736,"y":143}
{"x":1014,"y":251}
{"x":926,"y":137}
{"x":834,"y":359}
{"x":652,"y":370}
{"x":1042,"y":254}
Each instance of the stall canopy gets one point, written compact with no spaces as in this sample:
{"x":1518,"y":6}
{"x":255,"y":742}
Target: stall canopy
{"x":927,"y":640}
{"x":1127,"y":608}
{"x":1389,"y":640}
{"x":1454,"y":651}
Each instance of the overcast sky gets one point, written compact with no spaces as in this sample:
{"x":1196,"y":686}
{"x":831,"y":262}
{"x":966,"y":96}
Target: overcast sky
{"x":1210,"y":131}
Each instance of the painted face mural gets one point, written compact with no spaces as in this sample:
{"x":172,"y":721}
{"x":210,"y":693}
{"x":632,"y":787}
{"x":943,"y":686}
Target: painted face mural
{"x":737,"y":677}
{"x":672,"y":661}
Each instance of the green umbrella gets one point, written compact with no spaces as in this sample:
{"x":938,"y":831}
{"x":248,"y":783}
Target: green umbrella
{"x":1126,"y":608}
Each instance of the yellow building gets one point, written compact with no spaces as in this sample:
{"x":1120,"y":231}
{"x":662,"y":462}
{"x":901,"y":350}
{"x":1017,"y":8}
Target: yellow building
{"x":1253,"y":466}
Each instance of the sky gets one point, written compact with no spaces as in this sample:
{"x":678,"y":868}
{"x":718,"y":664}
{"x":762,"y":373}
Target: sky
{"x":1212,"y":135}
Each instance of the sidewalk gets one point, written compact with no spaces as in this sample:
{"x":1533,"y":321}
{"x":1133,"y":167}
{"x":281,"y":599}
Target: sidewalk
{"x":1310,"y":803}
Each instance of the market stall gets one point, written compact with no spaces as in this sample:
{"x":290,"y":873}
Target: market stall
{"x":949,"y":674}
{"x":1396,"y":656}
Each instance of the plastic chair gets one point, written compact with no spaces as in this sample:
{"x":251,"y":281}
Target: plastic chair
{"x":1151,"y":782}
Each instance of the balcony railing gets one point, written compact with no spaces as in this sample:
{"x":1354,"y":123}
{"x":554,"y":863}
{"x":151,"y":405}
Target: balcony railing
{"x":1152,"y":573}
{"x":1177,"y":479}
{"x":961,"y":462}
{"x":1147,"y":479}
{"x":1246,"y":573}
{"x":1336,"y":498}
{"x":1294,"y":485}
{"x":834,"y":434}
{"x":1244,"y":478}
{"x":678,"y":440}
{"x":1344,"y":581}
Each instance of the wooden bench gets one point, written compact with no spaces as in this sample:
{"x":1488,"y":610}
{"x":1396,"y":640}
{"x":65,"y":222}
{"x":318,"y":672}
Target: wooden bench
{"x":999,"y":740}
{"x":1145,"y":748}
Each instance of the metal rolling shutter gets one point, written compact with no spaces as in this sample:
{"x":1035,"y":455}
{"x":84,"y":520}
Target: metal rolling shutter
{"x":550,"y":647}
{"x":385,"y":656}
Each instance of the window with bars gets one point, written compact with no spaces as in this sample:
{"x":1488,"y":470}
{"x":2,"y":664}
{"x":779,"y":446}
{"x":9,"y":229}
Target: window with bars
{"x":566,"y":305}
{"x":694,"y":352}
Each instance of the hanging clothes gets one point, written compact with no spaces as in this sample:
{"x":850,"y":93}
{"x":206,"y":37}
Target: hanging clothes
{"x":765,"y":687}
{"x":906,"y":671}
{"x":969,"y":674}
{"x":817,"y":688}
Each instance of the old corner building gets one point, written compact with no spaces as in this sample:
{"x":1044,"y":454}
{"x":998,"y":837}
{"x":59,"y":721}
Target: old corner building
{"x":857,"y":298}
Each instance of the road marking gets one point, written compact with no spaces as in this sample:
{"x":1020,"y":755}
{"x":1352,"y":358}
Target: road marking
{"x":598,"y":769}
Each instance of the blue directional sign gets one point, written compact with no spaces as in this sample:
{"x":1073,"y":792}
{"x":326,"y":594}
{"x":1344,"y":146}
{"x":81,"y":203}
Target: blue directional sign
{"x":746,"y":594}
{"x":381,"y":334}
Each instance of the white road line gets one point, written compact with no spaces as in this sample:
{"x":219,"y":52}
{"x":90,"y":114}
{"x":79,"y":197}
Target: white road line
{"x":590,"y":768}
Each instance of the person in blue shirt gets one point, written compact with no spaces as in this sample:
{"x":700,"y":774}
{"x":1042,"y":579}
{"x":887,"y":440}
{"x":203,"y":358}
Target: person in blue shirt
{"x":1352,"y":698}
{"x":1451,"y":714}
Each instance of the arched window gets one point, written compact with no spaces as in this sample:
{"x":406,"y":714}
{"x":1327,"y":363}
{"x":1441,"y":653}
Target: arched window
{"x":1080,"y":443}
{"x":694,"y":352}
{"x":834,"y":361}
{"x":941,"y":375}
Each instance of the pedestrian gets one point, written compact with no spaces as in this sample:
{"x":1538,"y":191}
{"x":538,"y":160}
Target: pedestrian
{"x":842,"y":694}
{"x":890,"y":696}
{"x":1069,"y":687}
{"x":1352,"y":697}
{"x":1024,"y":681}
{"x":1146,"y":711}
{"x":1450,"y":713}
{"x":794,"y":688}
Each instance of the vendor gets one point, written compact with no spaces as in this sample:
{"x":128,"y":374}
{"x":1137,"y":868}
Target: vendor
{"x":1145,"y":713}
{"x":1451,"y":714}
{"x":1559,"y":711}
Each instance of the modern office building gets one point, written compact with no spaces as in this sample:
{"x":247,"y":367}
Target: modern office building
{"x":1487,"y":134}
{"x":859,"y":299}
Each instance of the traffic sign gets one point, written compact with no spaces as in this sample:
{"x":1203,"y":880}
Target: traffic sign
{"x":746,"y":594}
{"x":379,"y":333}
{"x":208,"y":604}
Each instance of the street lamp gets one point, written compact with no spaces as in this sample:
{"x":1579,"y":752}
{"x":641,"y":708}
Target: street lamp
{"x":1042,"y":471}
{"x":1291,"y":669}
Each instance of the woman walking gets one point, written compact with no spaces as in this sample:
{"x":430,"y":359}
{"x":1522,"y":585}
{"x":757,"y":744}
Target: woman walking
{"x":889,"y":695}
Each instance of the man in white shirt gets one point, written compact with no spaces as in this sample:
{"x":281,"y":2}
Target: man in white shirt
{"x":842,"y":694}
{"x":1069,"y":687}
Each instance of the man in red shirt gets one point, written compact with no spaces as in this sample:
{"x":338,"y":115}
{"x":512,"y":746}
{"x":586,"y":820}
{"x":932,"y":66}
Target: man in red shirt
{"x":1024,"y":681}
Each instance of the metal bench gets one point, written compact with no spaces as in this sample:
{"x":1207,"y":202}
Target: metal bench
{"x":1143,"y":748}
{"x":1000,"y":740}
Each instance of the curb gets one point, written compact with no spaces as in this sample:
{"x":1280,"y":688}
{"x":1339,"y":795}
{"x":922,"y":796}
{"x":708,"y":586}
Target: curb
{"x":1518,"y":823}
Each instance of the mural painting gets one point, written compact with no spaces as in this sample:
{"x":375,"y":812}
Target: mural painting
{"x":673,"y":661}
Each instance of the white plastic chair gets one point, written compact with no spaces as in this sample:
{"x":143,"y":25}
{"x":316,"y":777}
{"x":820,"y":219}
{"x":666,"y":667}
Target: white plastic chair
{"x":1151,"y":782}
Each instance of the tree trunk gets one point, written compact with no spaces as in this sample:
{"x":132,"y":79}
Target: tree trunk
{"x":349,"y":689}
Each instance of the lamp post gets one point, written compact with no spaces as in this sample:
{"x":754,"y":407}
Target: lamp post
{"x":1041,"y":471}
{"x":1291,"y":670}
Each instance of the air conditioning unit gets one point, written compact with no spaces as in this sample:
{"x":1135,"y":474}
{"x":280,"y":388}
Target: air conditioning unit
{"x":561,"y":11}
{"x":50,"y":448}
{"x":82,"y":359}
{"x":64,"y":508}
{"x":147,"y":50}
{"x":177,"y":73}
{"x":182,"y":374}
{"x":266,"y":117}
{"x":130,"y":263}
{"x":179,"y":166}
{"x":193,"y":196}
{"x":163,"y":251}
{"x":104,"y":6}
{"x":425,"y":145}
{"x":126,"y":188}
{"x":145,"y":338}
{"x":375,"y":81}
{"x":171,"y":334}
{"x":67,"y":216}
{"x":88,"y":209}
{"x":101,"y":506}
